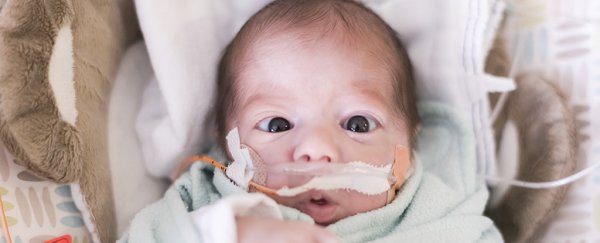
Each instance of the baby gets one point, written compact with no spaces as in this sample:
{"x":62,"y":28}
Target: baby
{"x":324,"y":82}
{"x":318,"y":81}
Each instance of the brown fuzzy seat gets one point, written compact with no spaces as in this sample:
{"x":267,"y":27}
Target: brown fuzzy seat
{"x":60,"y":139}
{"x":548,"y":148}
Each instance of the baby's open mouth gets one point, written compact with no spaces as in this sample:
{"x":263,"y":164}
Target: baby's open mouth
{"x":321,"y":208}
{"x":319,"y":202}
{"x":319,"y":198}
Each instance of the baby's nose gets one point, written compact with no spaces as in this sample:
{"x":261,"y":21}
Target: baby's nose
{"x":316,"y":145}
{"x":307,"y":158}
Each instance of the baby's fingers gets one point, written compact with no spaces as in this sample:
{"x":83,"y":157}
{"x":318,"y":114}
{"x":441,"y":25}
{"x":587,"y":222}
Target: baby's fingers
{"x":321,"y":235}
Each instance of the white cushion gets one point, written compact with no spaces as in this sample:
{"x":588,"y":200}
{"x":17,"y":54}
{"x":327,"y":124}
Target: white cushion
{"x":446,"y":40}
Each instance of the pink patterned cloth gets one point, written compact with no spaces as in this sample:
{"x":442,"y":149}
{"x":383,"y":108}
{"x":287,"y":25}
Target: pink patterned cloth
{"x":36,"y":210}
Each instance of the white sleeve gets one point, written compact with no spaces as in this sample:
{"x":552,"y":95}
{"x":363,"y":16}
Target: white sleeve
{"x":216,"y":222}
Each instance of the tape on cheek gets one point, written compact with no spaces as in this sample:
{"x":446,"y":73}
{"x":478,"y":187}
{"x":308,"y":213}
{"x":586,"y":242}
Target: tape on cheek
{"x":260,"y":175}
{"x":401,"y":170}
{"x":241,"y":170}
{"x":358,"y":176}
{"x":402,"y":167}
{"x":248,"y":166}
{"x":373,"y":181}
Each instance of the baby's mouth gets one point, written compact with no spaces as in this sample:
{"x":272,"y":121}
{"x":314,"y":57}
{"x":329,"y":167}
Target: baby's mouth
{"x":321,"y":208}
{"x":319,"y":202}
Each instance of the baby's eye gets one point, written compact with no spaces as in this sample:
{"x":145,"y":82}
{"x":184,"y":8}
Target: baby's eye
{"x":359,"y":124}
{"x":274,"y":124}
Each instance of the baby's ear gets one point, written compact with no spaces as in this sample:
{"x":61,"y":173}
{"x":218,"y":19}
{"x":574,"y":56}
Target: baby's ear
{"x":418,"y":128}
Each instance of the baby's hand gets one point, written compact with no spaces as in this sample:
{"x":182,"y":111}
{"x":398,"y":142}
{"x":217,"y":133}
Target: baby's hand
{"x":261,"y":229}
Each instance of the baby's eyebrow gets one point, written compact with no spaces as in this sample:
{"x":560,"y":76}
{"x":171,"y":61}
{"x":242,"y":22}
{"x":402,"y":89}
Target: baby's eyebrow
{"x":373,"y":97}
{"x":371,"y":82}
{"x":260,"y":98}
{"x":366,"y":89}
{"x":270,"y":89}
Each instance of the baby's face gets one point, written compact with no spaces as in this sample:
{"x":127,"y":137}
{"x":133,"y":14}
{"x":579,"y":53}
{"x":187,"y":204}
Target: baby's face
{"x":319,"y":101}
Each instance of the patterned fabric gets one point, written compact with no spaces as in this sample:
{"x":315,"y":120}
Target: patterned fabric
{"x":561,"y":39}
{"x":36,"y":210}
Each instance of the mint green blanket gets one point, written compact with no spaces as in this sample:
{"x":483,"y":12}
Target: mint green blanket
{"x":442,"y":201}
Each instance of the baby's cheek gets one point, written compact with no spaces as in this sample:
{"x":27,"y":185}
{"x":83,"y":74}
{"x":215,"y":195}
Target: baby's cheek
{"x":279,"y":180}
{"x":374,"y":155}
{"x":360,"y":203}
{"x":276,"y":153}
{"x":286,"y":201}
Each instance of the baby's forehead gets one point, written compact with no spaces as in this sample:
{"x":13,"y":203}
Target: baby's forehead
{"x":355,"y":44}
{"x":348,"y":26}
{"x":285,"y":61}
